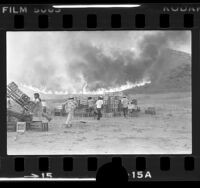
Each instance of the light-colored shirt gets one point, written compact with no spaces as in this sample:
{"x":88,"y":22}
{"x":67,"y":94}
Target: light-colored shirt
{"x":99,"y":103}
{"x":124,"y":102}
{"x":37,"y":110}
{"x":70,"y":106}
{"x":37,"y":100}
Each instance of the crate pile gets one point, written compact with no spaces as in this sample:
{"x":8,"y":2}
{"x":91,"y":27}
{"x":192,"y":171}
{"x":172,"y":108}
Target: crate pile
{"x":111,"y":107}
{"x":20,"y":98}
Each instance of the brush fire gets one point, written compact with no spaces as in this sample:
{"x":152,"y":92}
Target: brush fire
{"x":99,"y":92}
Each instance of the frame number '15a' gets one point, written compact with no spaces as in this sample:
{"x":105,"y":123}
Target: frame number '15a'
{"x":140,"y":175}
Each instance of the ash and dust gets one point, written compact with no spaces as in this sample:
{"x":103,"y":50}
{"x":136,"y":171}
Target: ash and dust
{"x":150,"y":67}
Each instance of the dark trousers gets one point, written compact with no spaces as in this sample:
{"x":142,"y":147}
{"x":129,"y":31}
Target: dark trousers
{"x":99,"y":114}
{"x":125,"y":111}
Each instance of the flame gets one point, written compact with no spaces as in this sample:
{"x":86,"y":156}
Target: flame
{"x":100,"y":91}
{"x":35,"y":89}
{"x":126,"y":86}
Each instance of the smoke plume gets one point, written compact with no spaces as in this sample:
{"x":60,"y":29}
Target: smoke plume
{"x":69,"y":61}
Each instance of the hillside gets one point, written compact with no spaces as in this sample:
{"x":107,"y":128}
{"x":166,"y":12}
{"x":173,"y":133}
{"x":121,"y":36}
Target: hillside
{"x":175,"y":76}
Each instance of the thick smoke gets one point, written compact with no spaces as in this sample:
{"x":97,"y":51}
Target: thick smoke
{"x":103,"y":71}
{"x":67,"y":61}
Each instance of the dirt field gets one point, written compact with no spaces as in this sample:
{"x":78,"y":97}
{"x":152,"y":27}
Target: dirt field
{"x":167,"y":132}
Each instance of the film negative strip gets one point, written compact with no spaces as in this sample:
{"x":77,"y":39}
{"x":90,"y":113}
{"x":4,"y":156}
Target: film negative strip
{"x":100,"y":91}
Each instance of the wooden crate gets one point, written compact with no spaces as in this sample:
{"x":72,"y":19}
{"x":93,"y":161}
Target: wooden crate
{"x":21,"y":127}
{"x":38,"y":126}
{"x":117,"y":114}
{"x":11,"y":126}
{"x":57,"y":113}
{"x":81,"y":114}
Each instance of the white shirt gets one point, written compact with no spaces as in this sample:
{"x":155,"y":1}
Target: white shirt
{"x":37,"y":100}
{"x":70,"y":106}
{"x":99,"y":103}
{"x":124,"y":102}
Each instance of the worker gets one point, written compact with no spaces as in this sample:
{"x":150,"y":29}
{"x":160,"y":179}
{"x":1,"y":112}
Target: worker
{"x":90,"y":105}
{"x":99,"y":105}
{"x":70,"y":107}
{"x":124,"y":102}
{"x":135,"y":107}
{"x":130,"y":107}
{"x":38,"y":109}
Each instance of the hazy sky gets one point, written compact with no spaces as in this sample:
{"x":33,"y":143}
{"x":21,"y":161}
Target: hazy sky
{"x":65,"y":61}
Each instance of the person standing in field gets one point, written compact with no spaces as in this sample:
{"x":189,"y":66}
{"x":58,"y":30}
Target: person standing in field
{"x":125,"y":102}
{"x":90,"y":105}
{"x":99,"y":105}
{"x":130,"y":107}
{"x":37,"y":111}
{"x":70,"y":107}
{"x":38,"y":108}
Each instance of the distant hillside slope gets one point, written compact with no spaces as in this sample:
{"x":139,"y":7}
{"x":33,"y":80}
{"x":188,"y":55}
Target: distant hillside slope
{"x":174,"y":77}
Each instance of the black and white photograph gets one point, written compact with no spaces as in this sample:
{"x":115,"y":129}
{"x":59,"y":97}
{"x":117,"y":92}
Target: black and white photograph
{"x":99,"y":92}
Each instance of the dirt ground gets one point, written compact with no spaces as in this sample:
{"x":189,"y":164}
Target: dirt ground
{"x":167,"y":132}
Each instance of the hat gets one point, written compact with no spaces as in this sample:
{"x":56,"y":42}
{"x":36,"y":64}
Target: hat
{"x":100,"y":97}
